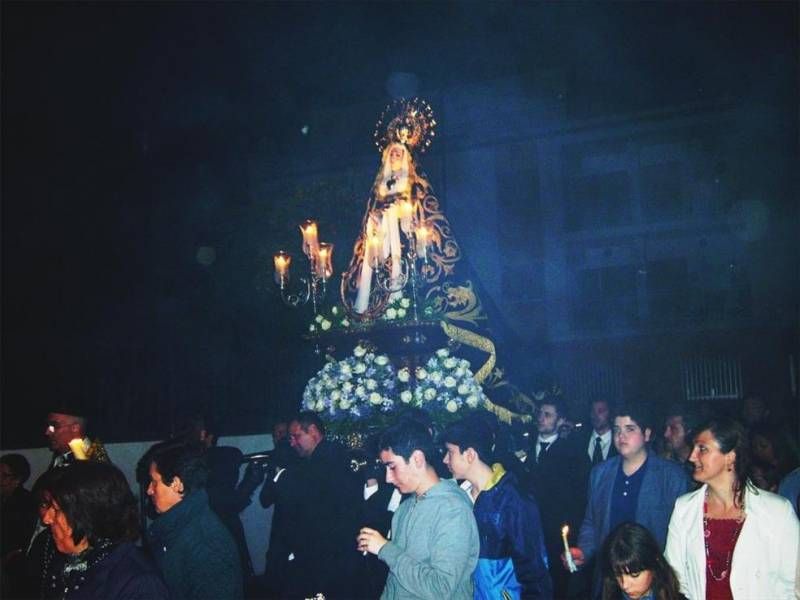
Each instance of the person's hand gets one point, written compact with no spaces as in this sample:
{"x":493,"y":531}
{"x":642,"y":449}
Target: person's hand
{"x":253,"y":477}
{"x":369,"y":540}
{"x":577,"y":557}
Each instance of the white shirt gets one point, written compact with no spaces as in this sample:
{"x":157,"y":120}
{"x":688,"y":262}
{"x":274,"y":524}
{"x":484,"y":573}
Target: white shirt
{"x":605,"y":443}
{"x":547,"y":439}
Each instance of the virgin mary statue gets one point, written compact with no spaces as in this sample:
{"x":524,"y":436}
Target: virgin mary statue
{"x":404,"y":233}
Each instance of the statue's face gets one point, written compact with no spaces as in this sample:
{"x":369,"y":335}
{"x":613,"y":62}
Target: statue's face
{"x":397,"y":154}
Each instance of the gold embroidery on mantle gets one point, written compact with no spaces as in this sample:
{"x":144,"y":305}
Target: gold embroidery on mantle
{"x":456,"y":302}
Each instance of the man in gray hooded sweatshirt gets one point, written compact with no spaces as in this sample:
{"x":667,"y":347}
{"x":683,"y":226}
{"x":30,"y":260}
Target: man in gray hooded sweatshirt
{"x":434,"y":539}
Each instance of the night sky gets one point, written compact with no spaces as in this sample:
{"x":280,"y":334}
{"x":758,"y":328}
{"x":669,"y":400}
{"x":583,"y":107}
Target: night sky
{"x":130,"y":131}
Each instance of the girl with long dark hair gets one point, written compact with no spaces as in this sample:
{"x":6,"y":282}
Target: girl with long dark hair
{"x":634,"y":568}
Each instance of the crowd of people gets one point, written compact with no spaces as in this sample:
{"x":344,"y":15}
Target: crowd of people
{"x":619,"y":508}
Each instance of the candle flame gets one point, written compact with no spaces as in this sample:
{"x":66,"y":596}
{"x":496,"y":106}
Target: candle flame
{"x":565,"y":530}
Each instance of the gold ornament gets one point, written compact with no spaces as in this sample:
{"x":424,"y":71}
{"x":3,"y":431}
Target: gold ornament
{"x":409,"y":122}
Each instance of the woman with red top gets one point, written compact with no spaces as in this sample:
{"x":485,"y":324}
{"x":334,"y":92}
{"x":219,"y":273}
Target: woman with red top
{"x":729,"y":540}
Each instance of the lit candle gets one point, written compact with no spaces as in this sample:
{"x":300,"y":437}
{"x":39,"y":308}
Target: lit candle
{"x":423,"y":239}
{"x":324,"y":263}
{"x":310,"y":241}
{"x":406,"y":209}
{"x":282,"y":262}
{"x":567,"y":554}
{"x":406,"y":214}
{"x":374,"y":247}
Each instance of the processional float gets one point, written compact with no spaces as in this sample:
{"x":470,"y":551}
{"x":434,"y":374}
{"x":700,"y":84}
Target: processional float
{"x":408,"y":327}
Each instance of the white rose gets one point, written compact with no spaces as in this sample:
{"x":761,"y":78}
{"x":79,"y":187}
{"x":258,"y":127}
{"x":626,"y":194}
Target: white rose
{"x":436,"y":377}
{"x":463,"y":389}
{"x":312,"y":328}
{"x":472,"y":401}
{"x":335,"y":310}
{"x":449,"y":382}
{"x":391,"y":313}
{"x":429,"y":394}
{"x":345,"y":323}
{"x":319,"y":406}
{"x":381,"y":360}
{"x":449,"y":363}
{"x":404,"y":375}
{"x":463,"y":363}
{"x":401,"y":313}
{"x":371,"y":384}
{"x":318,"y":318}
{"x":325,"y":325}
{"x":335,"y":395}
{"x":459,"y":372}
{"x":347,"y":387}
{"x":406,"y":396}
{"x":405,"y":302}
{"x":361,"y":391}
{"x":443,"y":353}
{"x":375,"y":398}
{"x":451,"y":406}
{"x":421,"y":373}
{"x":344,"y":369}
{"x":359,"y":367}
{"x":345,"y":404}
{"x":359,"y":351}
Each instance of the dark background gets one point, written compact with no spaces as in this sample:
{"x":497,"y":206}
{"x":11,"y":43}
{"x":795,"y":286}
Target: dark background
{"x":134,"y":134}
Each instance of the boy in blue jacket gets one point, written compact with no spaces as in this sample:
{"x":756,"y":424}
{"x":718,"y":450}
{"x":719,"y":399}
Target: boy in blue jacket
{"x":513,"y":560}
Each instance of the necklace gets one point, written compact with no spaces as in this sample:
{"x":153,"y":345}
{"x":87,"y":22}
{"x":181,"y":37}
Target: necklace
{"x":707,"y":534}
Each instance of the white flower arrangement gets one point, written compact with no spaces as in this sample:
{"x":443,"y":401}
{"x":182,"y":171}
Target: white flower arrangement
{"x":444,"y":386}
{"x":357,"y":388}
{"x":363,"y":390}
{"x":334,"y":318}
{"x":397,"y":309}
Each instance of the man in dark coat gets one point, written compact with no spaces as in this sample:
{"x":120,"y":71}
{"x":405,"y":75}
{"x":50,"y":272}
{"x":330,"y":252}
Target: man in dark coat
{"x":596,"y":443}
{"x":274,"y":494}
{"x":558,"y":477}
{"x":227,"y":496}
{"x":324,"y":496}
{"x":193,"y":549}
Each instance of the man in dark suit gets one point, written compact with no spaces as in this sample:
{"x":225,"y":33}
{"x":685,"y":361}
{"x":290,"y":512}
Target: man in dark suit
{"x":323,"y":497}
{"x":597,"y":443}
{"x":558,"y":482}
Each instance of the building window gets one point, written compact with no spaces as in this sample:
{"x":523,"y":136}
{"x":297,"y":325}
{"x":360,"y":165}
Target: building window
{"x":668,"y":292}
{"x":712,"y":379}
{"x":606,"y":299}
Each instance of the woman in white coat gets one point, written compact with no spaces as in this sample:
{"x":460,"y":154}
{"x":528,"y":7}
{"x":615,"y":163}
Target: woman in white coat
{"x":729,"y":539}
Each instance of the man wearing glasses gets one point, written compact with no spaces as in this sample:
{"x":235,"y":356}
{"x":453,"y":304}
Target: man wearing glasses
{"x":66,"y":434}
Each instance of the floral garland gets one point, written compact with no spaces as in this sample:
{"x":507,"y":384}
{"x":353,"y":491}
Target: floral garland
{"x":336,"y":318}
{"x":358,"y":388}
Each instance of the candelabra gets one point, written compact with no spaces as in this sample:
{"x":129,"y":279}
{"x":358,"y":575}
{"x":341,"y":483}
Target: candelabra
{"x":312,"y":287}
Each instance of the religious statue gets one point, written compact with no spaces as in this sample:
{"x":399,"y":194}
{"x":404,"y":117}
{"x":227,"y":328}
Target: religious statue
{"x":404,"y":232}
